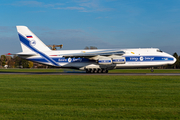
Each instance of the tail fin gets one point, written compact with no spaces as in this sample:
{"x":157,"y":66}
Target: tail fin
{"x":29,"y":41}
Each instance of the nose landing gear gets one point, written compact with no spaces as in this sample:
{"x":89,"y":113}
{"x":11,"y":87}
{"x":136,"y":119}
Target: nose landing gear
{"x":152,"y":69}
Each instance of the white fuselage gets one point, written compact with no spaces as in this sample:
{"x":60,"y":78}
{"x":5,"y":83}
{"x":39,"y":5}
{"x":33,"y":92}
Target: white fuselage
{"x":133,"y":58}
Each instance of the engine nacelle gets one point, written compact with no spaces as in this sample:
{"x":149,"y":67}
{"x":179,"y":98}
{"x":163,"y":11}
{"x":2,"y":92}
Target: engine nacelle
{"x":105,"y":61}
{"x":119,"y":60}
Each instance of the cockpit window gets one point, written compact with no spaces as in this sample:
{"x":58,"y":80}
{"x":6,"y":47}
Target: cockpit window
{"x":159,"y":51}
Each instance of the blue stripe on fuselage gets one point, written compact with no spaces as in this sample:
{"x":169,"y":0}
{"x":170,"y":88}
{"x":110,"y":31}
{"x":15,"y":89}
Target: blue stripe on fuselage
{"x":27,"y":43}
{"x":148,"y":58}
{"x":61,"y":60}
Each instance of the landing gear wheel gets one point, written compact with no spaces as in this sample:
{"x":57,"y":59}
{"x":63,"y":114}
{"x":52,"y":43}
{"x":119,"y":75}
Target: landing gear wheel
{"x":98,"y":71}
{"x":104,"y":71}
{"x":94,"y":70}
{"x":87,"y":71}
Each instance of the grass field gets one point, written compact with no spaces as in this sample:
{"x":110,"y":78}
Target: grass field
{"x":89,"y":97}
{"x":110,"y":71}
{"x":145,"y":71}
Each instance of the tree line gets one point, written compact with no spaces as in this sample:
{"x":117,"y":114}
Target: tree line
{"x":176,"y":65}
{"x":17,"y":62}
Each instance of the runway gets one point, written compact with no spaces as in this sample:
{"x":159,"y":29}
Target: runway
{"x":83,"y":73}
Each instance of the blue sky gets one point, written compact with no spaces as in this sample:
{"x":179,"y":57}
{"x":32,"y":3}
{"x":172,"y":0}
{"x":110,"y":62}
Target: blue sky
{"x":101,"y":23}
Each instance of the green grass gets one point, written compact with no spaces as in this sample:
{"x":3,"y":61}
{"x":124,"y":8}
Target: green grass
{"x":89,"y":97}
{"x":32,"y":70}
{"x":145,"y":71}
{"x":110,"y":71}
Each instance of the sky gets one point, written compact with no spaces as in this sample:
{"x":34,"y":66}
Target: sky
{"x":105,"y":24}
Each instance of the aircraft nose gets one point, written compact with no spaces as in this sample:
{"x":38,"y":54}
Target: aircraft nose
{"x":174,"y":59}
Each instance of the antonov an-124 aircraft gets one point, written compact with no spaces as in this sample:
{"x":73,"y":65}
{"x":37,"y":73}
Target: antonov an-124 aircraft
{"x":91,"y":61}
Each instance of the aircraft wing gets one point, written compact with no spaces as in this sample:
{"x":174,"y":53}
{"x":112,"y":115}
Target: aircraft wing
{"x":87,"y":54}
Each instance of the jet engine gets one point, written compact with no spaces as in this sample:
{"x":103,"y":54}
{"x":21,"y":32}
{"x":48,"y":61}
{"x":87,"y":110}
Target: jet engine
{"x":105,"y":61}
{"x":118,"y":60}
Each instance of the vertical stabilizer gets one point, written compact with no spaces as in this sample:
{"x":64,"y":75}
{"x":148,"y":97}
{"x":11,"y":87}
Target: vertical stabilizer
{"x":29,"y":41}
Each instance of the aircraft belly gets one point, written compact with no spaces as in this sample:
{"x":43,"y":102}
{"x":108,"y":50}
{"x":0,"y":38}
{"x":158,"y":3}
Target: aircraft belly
{"x":140,"y":64}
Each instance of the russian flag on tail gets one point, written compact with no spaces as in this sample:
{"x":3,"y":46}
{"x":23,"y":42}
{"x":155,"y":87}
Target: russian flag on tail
{"x":29,"y":36}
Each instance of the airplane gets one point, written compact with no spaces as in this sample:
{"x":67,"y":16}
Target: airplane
{"x":91,"y":61}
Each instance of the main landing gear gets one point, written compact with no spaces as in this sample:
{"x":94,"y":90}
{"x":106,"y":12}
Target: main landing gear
{"x":152,"y":69}
{"x":96,"y":71}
